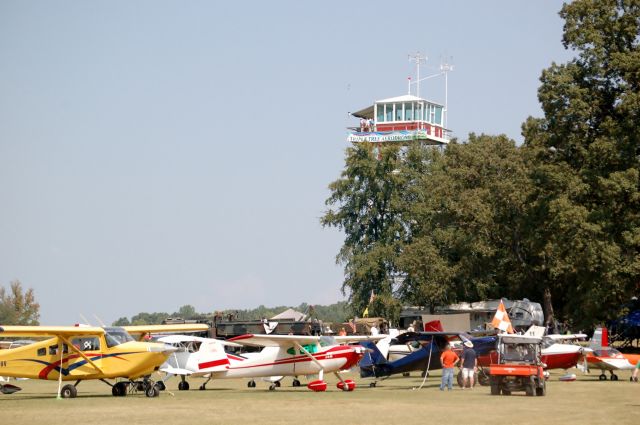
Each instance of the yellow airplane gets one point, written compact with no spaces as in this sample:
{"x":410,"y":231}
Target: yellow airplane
{"x":76,"y":353}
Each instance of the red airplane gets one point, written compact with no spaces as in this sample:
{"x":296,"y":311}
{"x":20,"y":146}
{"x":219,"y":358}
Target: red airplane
{"x":606,"y":358}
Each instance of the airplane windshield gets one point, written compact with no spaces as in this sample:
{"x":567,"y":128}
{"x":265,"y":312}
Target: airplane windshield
{"x":326,"y":341}
{"x":607,"y":352}
{"x":547,"y":342}
{"x":116,"y":336}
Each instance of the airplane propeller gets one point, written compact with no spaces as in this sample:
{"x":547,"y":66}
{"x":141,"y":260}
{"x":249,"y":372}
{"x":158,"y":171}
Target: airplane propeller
{"x":164,"y":348}
{"x":584,"y":367}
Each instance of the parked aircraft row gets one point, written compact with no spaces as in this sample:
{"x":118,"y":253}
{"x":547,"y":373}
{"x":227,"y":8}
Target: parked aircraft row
{"x":120,"y":357}
{"x":77,"y":353}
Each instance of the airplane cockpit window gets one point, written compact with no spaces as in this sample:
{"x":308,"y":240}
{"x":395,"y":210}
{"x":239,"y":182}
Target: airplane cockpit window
{"x":606,"y":352}
{"x":193,"y":346}
{"x":327,"y":340}
{"x":187,"y":346}
{"x":53,"y":350}
{"x":116,"y":336}
{"x":88,"y":343}
{"x":547,"y":342}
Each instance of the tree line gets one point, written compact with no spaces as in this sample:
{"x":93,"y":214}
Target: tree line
{"x":556,"y":219}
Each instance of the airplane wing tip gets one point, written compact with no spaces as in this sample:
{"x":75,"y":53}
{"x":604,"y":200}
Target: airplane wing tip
{"x":240,"y":337}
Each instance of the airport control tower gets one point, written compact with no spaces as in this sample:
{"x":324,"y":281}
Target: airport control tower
{"x":404,"y":119}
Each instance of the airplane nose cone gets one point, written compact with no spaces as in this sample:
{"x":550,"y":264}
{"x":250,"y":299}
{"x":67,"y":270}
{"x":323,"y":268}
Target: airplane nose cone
{"x":162,"y":348}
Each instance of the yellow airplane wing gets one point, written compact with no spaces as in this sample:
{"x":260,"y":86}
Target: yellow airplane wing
{"x":49,"y":330}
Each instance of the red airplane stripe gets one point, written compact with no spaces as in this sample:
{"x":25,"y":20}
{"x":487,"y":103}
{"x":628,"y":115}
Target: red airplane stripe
{"x":334,"y":351}
{"x":47,"y":369}
{"x":213,"y":363}
{"x":232,"y":357}
{"x":318,"y":356}
{"x":294,"y":360}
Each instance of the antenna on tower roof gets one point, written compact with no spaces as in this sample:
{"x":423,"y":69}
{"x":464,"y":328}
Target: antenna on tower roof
{"x":445,"y":68}
{"x":418,"y":58}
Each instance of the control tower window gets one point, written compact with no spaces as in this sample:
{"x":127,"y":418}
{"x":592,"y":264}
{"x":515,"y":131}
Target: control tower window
{"x":398,"y":112}
{"x":380,"y":117}
{"x":408,"y":111}
{"x":438,"y":115}
{"x":418,"y":112}
{"x":388,"y":112}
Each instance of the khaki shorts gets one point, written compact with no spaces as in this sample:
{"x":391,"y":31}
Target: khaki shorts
{"x":467,"y":373}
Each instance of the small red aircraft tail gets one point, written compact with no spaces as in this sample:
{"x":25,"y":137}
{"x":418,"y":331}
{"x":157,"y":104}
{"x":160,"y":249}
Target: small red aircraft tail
{"x":433,"y":326}
{"x":600,"y":338}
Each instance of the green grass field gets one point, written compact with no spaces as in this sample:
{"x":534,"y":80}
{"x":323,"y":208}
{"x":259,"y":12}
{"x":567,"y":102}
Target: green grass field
{"x":393,"y":401}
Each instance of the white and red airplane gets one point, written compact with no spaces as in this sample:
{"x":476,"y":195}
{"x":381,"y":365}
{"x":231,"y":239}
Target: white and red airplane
{"x":608,"y":358}
{"x":559,"y":351}
{"x":281,"y":355}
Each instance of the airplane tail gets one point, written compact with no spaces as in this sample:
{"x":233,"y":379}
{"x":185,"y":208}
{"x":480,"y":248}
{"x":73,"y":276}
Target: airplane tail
{"x":383,"y":346}
{"x":371,"y":360}
{"x":433,"y":326}
{"x":537,"y":331}
{"x":600,"y":338}
{"x":214,"y":357}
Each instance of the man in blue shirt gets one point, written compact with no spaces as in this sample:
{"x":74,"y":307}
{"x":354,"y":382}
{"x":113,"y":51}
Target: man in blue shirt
{"x":469,"y":362}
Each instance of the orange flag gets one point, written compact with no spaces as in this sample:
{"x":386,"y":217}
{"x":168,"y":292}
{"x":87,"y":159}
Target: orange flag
{"x":501,"y":320}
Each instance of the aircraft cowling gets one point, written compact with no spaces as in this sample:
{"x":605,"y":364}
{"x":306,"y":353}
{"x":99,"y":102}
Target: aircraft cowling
{"x":347,"y":385}
{"x":317,"y":385}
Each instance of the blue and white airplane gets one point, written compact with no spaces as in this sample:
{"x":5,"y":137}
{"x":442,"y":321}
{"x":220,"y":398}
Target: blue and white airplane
{"x":423,"y":357}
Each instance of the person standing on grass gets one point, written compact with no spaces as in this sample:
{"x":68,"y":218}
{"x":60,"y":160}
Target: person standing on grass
{"x":448,"y":359}
{"x":469,"y":363}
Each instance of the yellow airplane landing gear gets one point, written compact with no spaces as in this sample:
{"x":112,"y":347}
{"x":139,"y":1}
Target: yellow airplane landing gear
{"x":69,"y":391}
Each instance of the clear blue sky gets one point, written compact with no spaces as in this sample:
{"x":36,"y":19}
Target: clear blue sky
{"x":161,"y":153}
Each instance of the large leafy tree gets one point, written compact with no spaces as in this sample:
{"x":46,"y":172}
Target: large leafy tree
{"x":466,"y":224}
{"x":17,"y":306}
{"x":585,"y":210}
{"x":366,"y":203}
